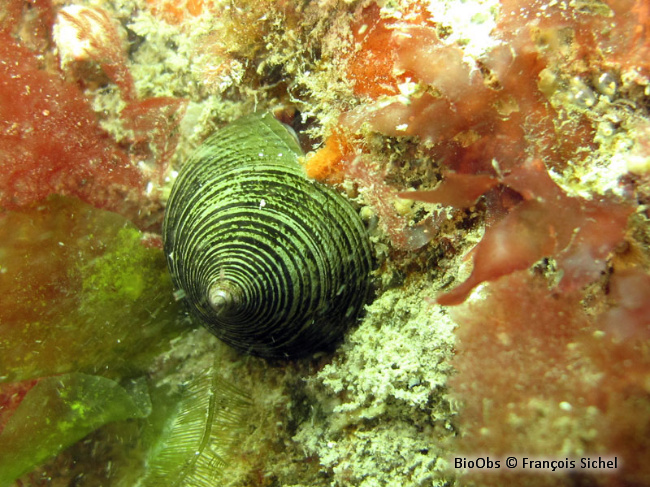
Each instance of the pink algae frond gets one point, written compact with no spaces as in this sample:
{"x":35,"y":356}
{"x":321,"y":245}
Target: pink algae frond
{"x":579,"y":233}
{"x":458,"y":190}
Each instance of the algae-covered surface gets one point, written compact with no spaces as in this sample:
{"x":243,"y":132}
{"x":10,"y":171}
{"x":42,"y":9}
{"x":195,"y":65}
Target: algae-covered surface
{"x":497,"y":152}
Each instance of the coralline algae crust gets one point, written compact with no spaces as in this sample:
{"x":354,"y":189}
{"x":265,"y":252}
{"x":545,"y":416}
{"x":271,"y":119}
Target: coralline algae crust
{"x":380,"y":406}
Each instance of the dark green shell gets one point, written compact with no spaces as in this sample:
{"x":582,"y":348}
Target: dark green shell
{"x":271,"y":262}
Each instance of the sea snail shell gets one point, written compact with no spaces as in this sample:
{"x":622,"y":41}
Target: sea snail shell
{"x":272,"y":263}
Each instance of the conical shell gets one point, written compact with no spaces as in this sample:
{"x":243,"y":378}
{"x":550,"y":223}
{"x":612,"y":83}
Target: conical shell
{"x":272,"y":263}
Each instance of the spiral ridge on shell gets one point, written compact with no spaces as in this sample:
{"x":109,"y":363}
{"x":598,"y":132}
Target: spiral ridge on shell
{"x":272,"y":263}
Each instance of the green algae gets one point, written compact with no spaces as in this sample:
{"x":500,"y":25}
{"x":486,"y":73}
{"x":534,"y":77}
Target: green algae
{"x":192,"y":441}
{"x":61,"y":410}
{"x":80,"y":293}
{"x":117,"y":275}
{"x":83,"y":294}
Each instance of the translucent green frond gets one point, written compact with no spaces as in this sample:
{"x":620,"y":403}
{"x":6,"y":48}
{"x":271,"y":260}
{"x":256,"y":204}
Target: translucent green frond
{"x":61,"y":410}
{"x":195,"y":444}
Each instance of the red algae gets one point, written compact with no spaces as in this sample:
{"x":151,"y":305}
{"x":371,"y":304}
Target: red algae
{"x":526,"y":370}
{"x":420,"y":53}
{"x":400,"y":233}
{"x":370,"y":68}
{"x":509,"y":344}
{"x":50,"y":140}
{"x":154,"y":123}
{"x":371,"y":65}
{"x":579,"y":233}
{"x":622,"y":395}
{"x":548,"y":372}
{"x":479,"y":117}
{"x":515,"y":243}
{"x":493,"y":110}
{"x":540,"y":372}
{"x":459,"y":190}
{"x":30,"y":20}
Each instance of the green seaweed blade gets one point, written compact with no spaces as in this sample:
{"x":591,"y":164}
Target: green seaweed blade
{"x":195,"y":445}
{"x":61,"y":410}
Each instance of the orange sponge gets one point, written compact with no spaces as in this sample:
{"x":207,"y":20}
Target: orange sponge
{"x":326,"y":164}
